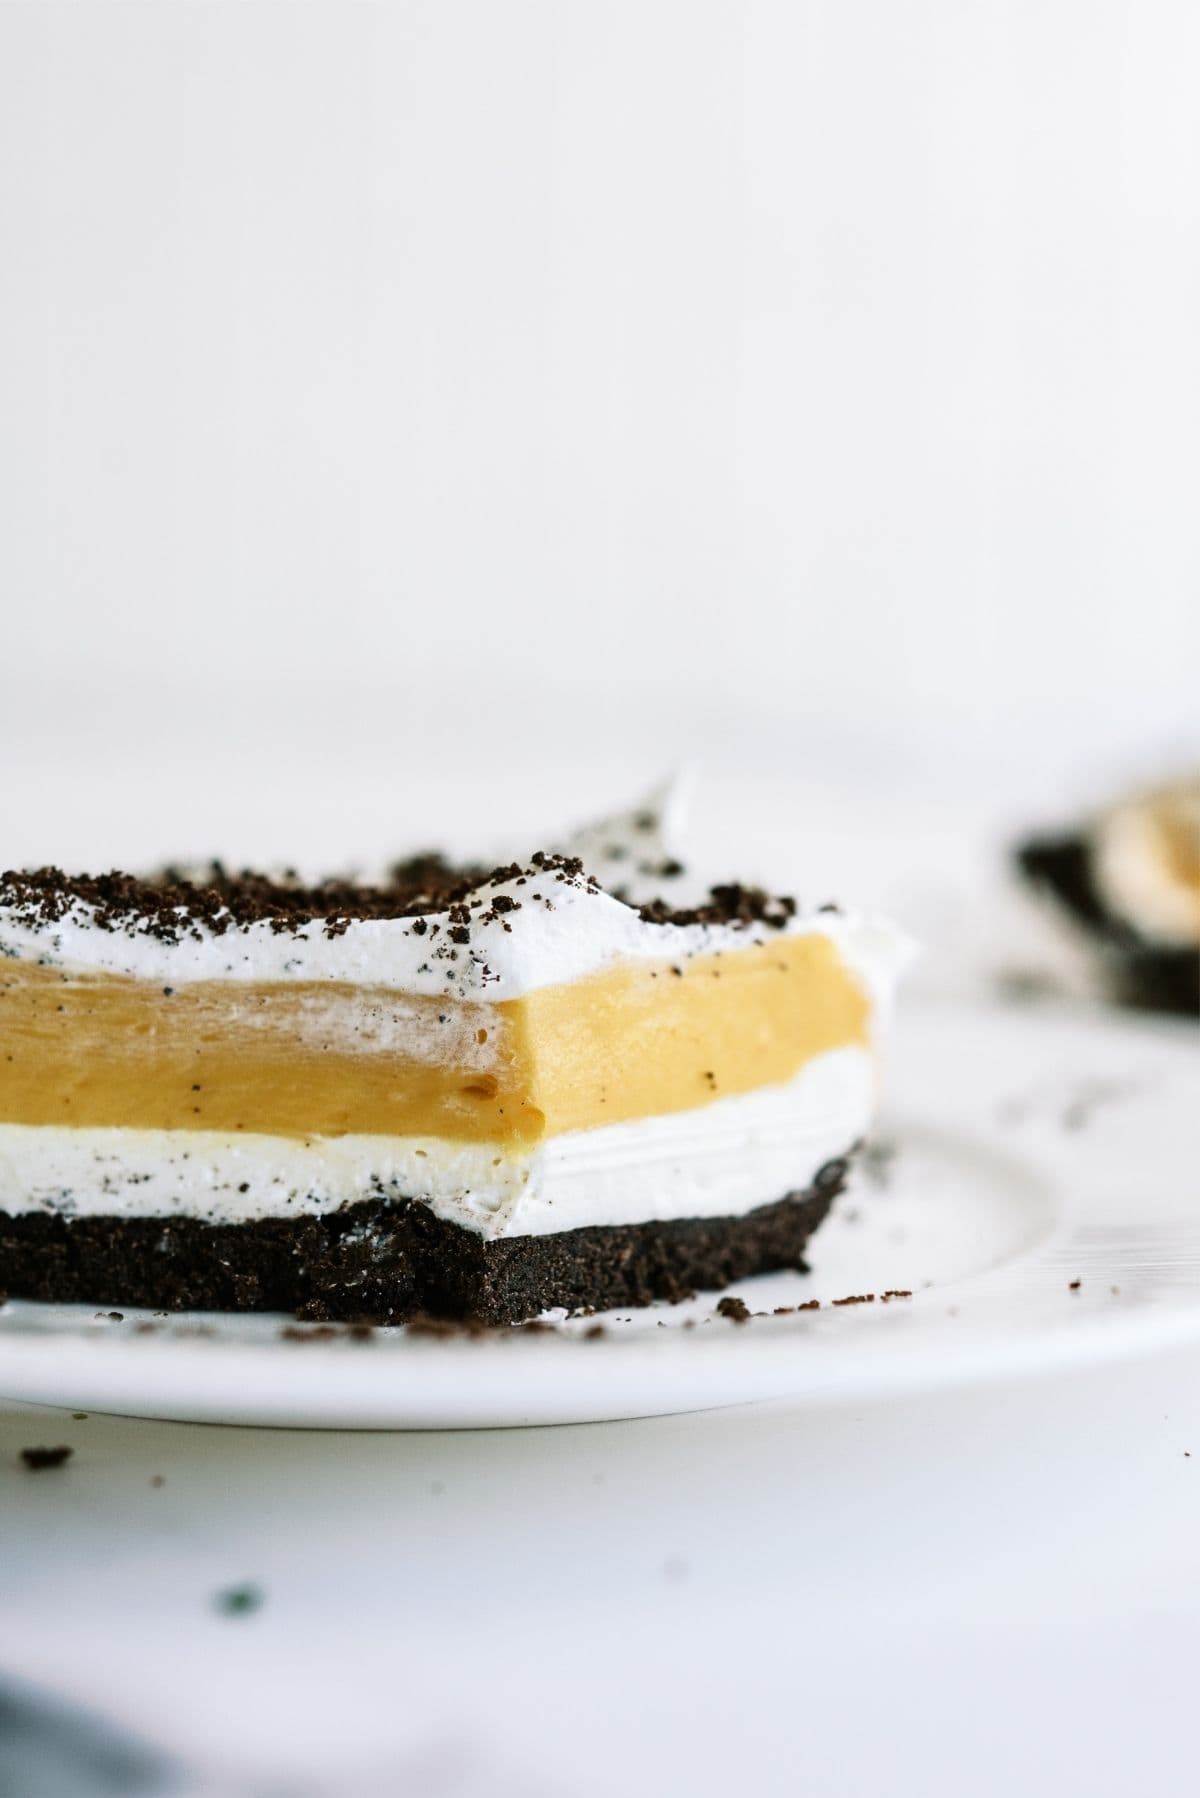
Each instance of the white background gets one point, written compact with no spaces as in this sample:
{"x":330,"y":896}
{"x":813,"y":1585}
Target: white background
{"x":423,"y":388}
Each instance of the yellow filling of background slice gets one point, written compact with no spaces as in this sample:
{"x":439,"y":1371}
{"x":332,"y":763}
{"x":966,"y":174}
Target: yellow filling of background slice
{"x":307,"y":1059}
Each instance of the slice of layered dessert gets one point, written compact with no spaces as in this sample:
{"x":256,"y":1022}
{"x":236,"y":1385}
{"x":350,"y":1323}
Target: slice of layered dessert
{"x":1127,"y":879}
{"x":567,"y":1081}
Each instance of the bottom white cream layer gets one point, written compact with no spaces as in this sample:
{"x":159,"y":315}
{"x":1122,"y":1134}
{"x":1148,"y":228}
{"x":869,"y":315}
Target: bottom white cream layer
{"x":718,"y":1161}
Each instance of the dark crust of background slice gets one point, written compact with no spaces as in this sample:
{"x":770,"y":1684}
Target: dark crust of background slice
{"x":1139,"y":973}
{"x":393,"y":1259}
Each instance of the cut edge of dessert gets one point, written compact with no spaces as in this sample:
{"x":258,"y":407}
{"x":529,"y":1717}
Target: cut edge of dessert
{"x":578,"y":1079}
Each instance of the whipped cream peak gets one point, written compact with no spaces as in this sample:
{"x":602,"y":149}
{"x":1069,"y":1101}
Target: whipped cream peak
{"x":637,"y":854}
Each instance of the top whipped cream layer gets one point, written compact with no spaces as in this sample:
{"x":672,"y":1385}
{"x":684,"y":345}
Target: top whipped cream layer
{"x":613,"y":892}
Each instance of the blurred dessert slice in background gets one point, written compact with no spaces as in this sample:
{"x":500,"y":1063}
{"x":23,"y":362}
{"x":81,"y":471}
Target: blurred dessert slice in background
{"x":1127,"y":881}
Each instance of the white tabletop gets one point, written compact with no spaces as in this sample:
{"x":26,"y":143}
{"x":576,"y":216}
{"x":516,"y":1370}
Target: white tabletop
{"x":963,"y":1593}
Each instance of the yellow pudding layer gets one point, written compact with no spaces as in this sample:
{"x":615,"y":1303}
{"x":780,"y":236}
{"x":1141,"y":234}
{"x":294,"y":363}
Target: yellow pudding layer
{"x":305,"y":1059}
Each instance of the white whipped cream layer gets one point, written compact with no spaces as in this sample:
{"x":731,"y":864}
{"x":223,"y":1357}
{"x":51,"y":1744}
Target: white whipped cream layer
{"x":558,"y":931}
{"x":573,"y":934}
{"x":720,"y":1160}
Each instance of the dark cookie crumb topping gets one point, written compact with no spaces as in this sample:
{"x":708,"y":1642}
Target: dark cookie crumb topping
{"x":171,"y":907}
{"x":734,"y":1308}
{"x":727,"y":904}
{"x":37,"y":1459}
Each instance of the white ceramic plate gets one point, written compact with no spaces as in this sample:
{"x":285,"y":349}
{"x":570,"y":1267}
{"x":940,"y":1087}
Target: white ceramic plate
{"x":1030,"y":1152}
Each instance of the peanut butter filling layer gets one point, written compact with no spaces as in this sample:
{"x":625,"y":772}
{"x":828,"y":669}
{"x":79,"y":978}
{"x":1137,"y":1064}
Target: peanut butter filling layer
{"x":303,"y":1059}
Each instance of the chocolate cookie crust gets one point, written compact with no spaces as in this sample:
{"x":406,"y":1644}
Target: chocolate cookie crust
{"x":1140,"y":973}
{"x":391,"y":1260}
